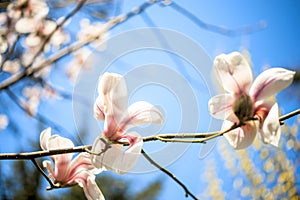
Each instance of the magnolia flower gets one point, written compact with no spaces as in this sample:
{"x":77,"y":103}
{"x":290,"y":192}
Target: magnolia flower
{"x":68,"y":172}
{"x":111,"y":106}
{"x":247,"y":101}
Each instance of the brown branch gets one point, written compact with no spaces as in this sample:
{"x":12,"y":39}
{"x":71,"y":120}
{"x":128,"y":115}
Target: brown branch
{"x":164,"y":170}
{"x":161,"y":137}
{"x":289,"y":115}
{"x":41,"y":49}
{"x":42,"y":172}
{"x":38,"y":154}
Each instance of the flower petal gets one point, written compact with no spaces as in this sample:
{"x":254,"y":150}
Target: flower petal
{"x":270,"y":82}
{"x":114,"y":157}
{"x":44,"y":137}
{"x":113,"y":101}
{"x":242,"y":137}
{"x":270,"y":132}
{"x":82,"y":162}
{"x":62,"y":161}
{"x":220,"y":106}
{"x":58,"y":142}
{"x":25,"y":25}
{"x":91,"y":190}
{"x":234,"y":72}
{"x":99,"y":110}
{"x":48,"y":165}
{"x":142,"y":112}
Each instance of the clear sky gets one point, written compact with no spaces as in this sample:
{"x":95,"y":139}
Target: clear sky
{"x":275,"y":45}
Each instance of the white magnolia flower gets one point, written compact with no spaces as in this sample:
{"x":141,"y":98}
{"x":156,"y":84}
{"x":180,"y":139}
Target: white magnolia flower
{"x":68,"y":171}
{"x":111,"y":107}
{"x":247,"y":100}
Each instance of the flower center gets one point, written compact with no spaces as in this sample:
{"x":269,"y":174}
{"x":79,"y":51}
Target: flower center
{"x":243,"y":108}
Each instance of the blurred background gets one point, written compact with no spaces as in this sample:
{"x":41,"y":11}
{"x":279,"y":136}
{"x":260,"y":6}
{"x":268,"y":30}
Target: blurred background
{"x":266,"y":31}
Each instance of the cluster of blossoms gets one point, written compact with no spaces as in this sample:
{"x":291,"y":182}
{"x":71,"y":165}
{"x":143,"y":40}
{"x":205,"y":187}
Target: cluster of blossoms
{"x":26,"y":21}
{"x":109,"y":154}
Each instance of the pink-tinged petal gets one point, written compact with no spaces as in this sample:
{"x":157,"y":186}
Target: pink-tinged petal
{"x":61,"y":161}
{"x":48,"y":165}
{"x":114,"y":157}
{"x":113,"y":94}
{"x":220,"y":106}
{"x":142,"y":112}
{"x":234,"y":72}
{"x":91,"y":190}
{"x":270,"y":132}
{"x":242,"y":137}
{"x":82,"y":162}
{"x":99,"y":110}
{"x":44,"y":137}
{"x":270,"y":82}
{"x":262,"y":109}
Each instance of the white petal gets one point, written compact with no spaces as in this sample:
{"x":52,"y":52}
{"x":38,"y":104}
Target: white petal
{"x":25,"y":25}
{"x":44,"y":137}
{"x":234,"y":72}
{"x":91,"y":190}
{"x":113,"y":101}
{"x":98,"y":109}
{"x":220,"y":106}
{"x":270,"y":82}
{"x":113,"y":91}
{"x":48,"y":165}
{"x":58,"y":142}
{"x":114,"y":157}
{"x":143,"y":112}
{"x":242,"y":137}
{"x":270,"y":132}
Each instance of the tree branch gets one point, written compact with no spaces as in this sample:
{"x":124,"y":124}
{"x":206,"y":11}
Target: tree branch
{"x":218,"y":29}
{"x":187,"y":192}
{"x":76,"y":45}
{"x":42,"y":172}
{"x":160,"y":137}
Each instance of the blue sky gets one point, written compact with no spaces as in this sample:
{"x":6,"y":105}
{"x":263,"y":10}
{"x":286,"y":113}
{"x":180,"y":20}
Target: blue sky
{"x":276,"y":45}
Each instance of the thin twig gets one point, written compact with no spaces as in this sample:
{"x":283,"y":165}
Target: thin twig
{"x":47,"y":39}
{"x":289,"y":115}
{"x":38,"y":154}
{"x":218,"y":29}
{"x":42,"y":172}
{"x":187,"y":192}
{"x":41,"y":118}
{"x":10,"y":52}
{"x":78,"y":149}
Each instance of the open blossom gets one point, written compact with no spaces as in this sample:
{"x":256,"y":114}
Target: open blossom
{"x":247,"y":100}
{"x":111,"y":106}
{"x":68,"y":172}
